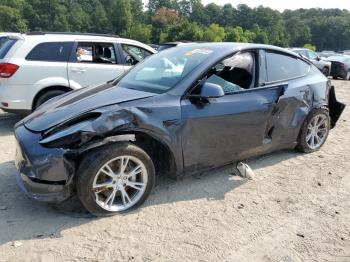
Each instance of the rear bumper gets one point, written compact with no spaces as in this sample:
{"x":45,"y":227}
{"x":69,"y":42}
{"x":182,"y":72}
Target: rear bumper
{"x":44,"y":174}
{"x":21,"y":112}
{"x":16,"y":97}
{"x":338,"y":73}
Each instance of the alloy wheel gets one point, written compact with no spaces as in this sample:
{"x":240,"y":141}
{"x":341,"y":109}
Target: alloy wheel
{"x":317,"y":131}
{"x":120,"y":183}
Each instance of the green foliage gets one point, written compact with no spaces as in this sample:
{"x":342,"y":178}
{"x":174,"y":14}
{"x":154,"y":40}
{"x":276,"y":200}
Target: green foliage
{"x":141,"y":32}
{"x":310,"y":46}
{"x":121,"y":17}
{"x":214,"y":33}
{"x":171,"y":20}
{"x":10,"y":20}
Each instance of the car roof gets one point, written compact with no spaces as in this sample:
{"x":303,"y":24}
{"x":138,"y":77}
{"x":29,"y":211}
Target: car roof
{"x":53,"y":37}
{"x":68,"y":37}
{"x":226,"y":48}
{"x":299,"y":49}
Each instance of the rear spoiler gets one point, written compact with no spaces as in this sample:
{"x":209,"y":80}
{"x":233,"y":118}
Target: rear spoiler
{"x":16,"y":36}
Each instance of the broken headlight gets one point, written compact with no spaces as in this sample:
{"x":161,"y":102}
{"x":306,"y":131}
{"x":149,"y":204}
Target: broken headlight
{"x":68,"y":136}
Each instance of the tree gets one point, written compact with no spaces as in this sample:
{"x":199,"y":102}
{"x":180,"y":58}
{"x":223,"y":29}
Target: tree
{"x":237,"y":34}
{"x":214,"y":33}
{"x":141,"y":32}
{"x":260,"y":35}
{"x":11,"y":20}
{"x":185,"y":31}
{"x":166,"y":20}
{"x":163,"y":20}
{"x":155,"y":5}
{"x":121,"y":17}
{"x":45,"y":15}
{"x":310,"y":46}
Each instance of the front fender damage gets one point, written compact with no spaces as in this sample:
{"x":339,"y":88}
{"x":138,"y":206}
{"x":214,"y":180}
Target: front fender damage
{"x":111,"y":126}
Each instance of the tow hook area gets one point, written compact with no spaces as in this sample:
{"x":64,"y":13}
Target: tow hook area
{"x":335,"y":108}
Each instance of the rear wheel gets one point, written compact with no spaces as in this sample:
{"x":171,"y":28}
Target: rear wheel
{"x":314,"y":132}
{"x":348,"y":76}
{"x":115,"y":179}
{"x":47,"y":96}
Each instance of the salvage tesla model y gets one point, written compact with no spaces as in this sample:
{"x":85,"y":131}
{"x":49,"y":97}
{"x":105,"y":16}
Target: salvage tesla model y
{"x":187,"y":109}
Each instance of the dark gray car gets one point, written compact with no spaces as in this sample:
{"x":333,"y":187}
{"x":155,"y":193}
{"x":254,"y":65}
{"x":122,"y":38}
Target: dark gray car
{"x":323,"y":65}
{"x":340,"y":66}
{"x":181,"y":111}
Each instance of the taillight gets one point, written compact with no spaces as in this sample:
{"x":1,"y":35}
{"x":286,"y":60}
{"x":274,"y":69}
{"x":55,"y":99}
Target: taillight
{"x":7,"y":70}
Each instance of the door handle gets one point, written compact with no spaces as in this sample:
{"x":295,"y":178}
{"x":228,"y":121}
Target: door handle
{"x":78,"y":70}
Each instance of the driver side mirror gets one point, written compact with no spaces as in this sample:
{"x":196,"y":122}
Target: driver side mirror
{"x":318,"y":58}
{"x":210,"y":90}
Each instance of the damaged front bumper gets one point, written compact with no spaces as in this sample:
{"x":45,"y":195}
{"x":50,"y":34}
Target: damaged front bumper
{"x":44,"y":174}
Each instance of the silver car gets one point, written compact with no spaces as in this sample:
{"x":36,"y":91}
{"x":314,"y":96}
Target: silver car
{"x":323,"y":65}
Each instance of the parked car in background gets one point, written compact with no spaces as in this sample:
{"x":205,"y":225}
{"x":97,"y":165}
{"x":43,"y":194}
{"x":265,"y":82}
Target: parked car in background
{"x":219,"y":103}
{"x":323,"y":65}
{"x":340,"y":66}
{"x":325,"y":54}
{"x":36,"y":67}
{"x":346,"y":52}
{"x":154,"y":46}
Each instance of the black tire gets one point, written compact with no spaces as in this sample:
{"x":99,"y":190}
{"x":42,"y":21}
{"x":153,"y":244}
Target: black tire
{"x":303,"y":146}
{"x":347,"y":76}
{"x":47,"y":96}
{"x":325,"y":71}
{"x":95,"y":160}
{"x":335,"y":77}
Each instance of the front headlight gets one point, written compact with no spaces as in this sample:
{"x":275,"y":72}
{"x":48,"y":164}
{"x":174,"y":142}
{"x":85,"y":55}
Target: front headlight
{"x":70,"y":135}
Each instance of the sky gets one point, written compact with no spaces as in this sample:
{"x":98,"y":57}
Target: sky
{"x":286,"y":4}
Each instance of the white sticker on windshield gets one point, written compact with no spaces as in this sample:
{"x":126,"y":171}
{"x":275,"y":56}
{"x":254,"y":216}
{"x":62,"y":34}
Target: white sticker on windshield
{"x":199,"y":51}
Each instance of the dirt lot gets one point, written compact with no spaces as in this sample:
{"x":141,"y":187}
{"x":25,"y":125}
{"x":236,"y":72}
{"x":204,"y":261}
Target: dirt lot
{"x":296,"y":209}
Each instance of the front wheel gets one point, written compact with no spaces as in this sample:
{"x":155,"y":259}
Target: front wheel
{"x":115,"y":179}
{"x":314,"y":131}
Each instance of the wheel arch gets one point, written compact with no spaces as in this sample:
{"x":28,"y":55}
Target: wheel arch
{"x":159,"y":151}
{"x":47,"y":89}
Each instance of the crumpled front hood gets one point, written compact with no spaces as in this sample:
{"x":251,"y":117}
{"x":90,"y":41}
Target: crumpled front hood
{"x":76,"y":103}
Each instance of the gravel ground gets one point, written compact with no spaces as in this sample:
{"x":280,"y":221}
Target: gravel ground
{"x":297,"y":208}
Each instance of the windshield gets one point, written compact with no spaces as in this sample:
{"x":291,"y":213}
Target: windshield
{"x":161,"y":72}
{"x":5,"y":45}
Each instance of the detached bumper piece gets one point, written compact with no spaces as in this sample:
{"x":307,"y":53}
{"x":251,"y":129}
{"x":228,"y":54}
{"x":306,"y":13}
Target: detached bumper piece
{"x":44,"y":174}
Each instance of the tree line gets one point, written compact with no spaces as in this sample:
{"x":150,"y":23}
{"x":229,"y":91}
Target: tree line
{"x":171,"y":20}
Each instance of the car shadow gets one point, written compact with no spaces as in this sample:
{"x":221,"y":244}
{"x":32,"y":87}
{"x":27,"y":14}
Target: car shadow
{"x":23,"y":219}
{"x":8,"y":121}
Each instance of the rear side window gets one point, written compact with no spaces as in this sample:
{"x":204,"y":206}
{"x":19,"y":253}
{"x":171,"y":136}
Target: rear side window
{"x":51,"y":52}
{"x":5,"y":45}
{"x":102,"y":53}
{"x":282,"y":67}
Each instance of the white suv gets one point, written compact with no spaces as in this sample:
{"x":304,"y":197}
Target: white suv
{"x":35,"y":67}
